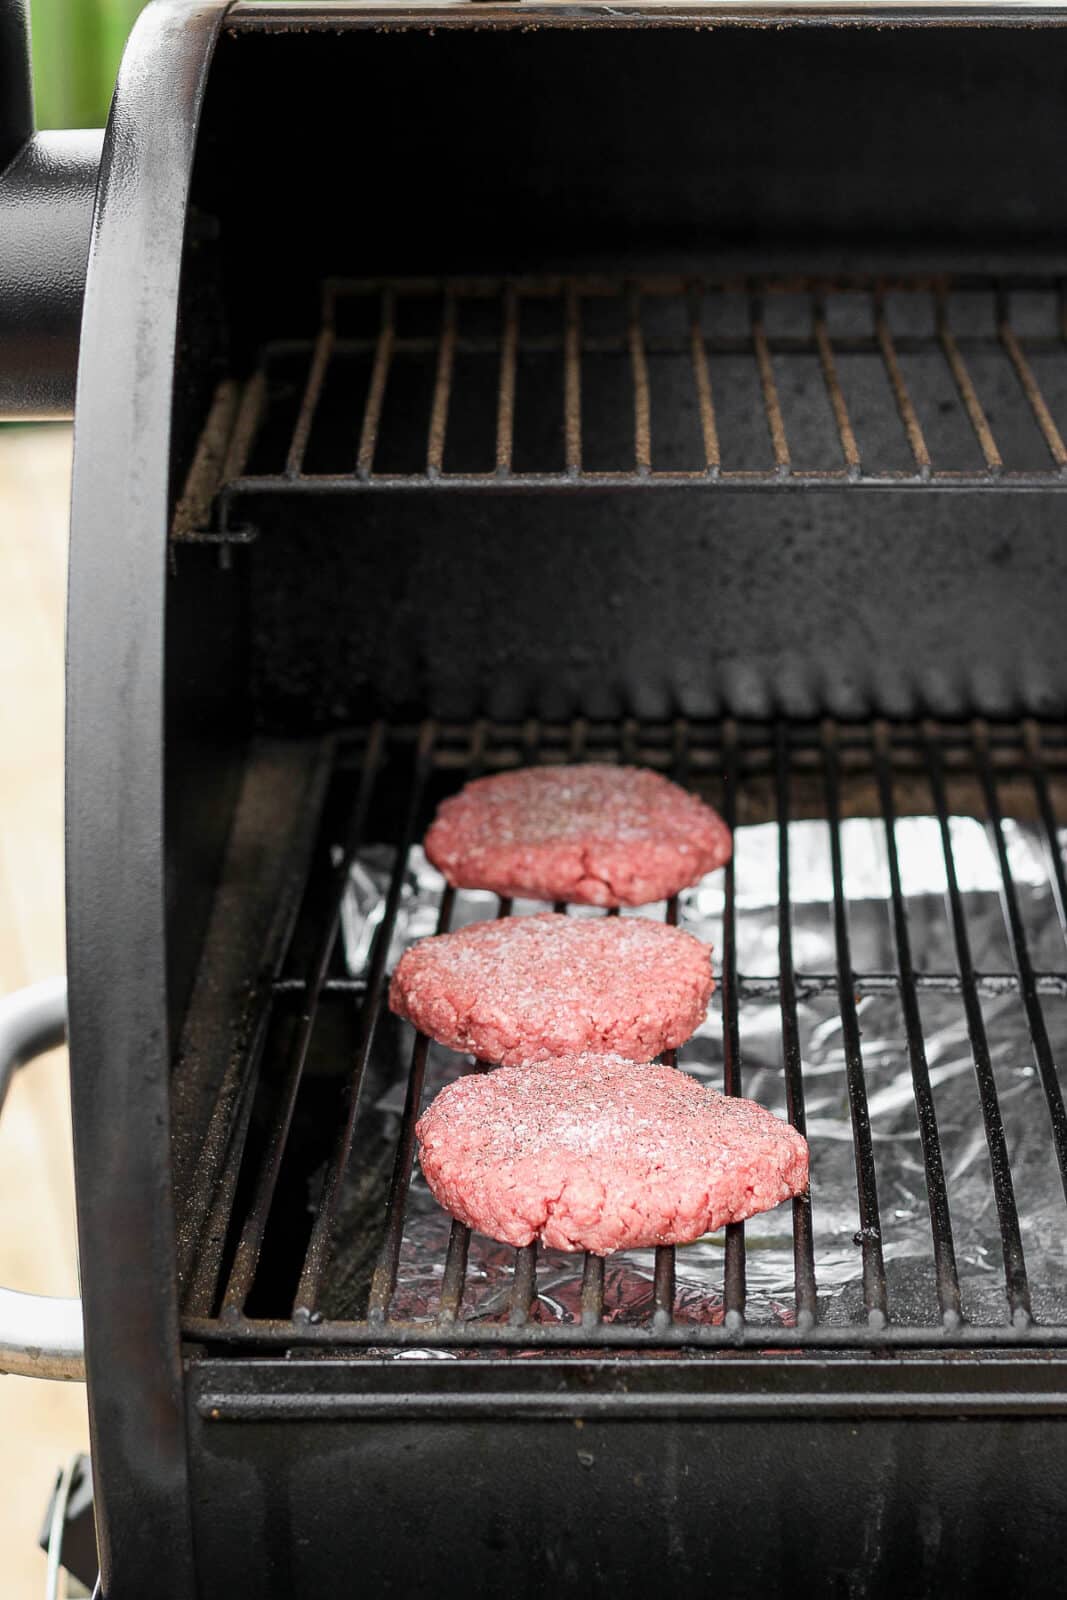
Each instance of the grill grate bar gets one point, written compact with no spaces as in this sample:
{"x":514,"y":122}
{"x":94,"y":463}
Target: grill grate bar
{"x":803,"y":1243}
{"x":334,"y":1336}
{"x":249,"y":415}
{"x":374,"y":994}
{"x":702,"y":379}
{"x":948,"y":1284}
{"x":874,"y":1280}
{"x":1029,"y":384}
{"x":756,"y":480}
{"x":509,"y":355}
{"x":320,"y":362}
{"x":1035,"y":1017}
{"x":965,"y":385}
{"x":769,"y":388}
{"x":204,"y":1226}
{"x":592,"y":1291}
{"x":659,"y":344}
{"x":572,"y":381}
{"x":524,"y":1287}
{"x":639,"y":368}
{"x":592,"y":1295}
{"x":838,"y":404}
{"x":384,"y":1281}
{"x":1054,"y":855}
{"x":435,"y":449}
{"x":905,"y":406}
{"x":246,"y":1256}
{"x":1018,"y":1288}
{"x":454,"y":1277}
{"x":754,"y":986}
{"x":734,"y":1278}
{"x":383,"y":356}
{"x":663,"y":1273}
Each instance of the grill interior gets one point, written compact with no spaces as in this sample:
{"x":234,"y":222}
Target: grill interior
{"x":748,"y":382}
{"x":288,"y":1188}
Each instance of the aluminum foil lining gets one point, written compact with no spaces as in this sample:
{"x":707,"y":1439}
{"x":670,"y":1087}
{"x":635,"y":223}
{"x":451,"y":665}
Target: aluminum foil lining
{"x":902,"y":1192}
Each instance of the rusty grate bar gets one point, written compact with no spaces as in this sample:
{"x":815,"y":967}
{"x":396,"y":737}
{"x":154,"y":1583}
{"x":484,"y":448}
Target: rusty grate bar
{"x":1029,"y":384}
{"x":769,"y":387}
{"x":509,"y":355}
{"x":320,"y":361}
{"x":435,"y":449}
{"x":838,"y":404}
{"x":965,"y":385}
{"x":702,"y":378}
{"x":572,"y":381}
{"x":639,"y":368}
{"x":383,"y":355}
{"x":908,"y":415}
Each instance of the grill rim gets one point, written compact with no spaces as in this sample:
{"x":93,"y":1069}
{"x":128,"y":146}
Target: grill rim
{"x":262,"y":1388}
{"x":332,"y":15}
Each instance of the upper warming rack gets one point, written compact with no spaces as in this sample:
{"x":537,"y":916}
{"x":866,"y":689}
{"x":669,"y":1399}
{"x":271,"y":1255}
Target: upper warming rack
{"x":612,"y":382}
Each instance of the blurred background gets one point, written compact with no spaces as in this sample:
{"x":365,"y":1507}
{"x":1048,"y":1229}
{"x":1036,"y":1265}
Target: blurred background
{"x":77,"y":45}
{"x":41,"y":1424}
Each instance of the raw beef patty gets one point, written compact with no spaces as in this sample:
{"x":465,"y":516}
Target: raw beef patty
{"x":595,"y":835}
{"x":595,"y":1153}
{"x":524,"y":988}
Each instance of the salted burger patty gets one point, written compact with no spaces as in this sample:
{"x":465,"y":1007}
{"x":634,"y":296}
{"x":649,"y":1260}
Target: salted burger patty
{"x":526,"y":988}
{"x":592,"y":834}
{"x":596,"y":1153}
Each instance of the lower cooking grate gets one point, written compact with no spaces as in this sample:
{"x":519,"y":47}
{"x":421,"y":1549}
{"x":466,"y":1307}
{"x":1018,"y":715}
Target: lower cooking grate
{"x":308,"y":1223}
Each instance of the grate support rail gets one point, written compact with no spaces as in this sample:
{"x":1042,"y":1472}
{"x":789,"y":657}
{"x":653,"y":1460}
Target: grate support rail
{"x":742,"y":768}
{"x":403,"y":365}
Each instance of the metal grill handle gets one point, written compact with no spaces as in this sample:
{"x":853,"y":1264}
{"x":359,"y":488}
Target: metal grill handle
{"x":40,"y":1335}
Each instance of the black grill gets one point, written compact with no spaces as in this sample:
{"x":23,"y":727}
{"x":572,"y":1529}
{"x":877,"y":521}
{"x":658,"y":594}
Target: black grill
{"x":257,"y":1275}
{"x":745,"y":382}
{"x":715,"y":369}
